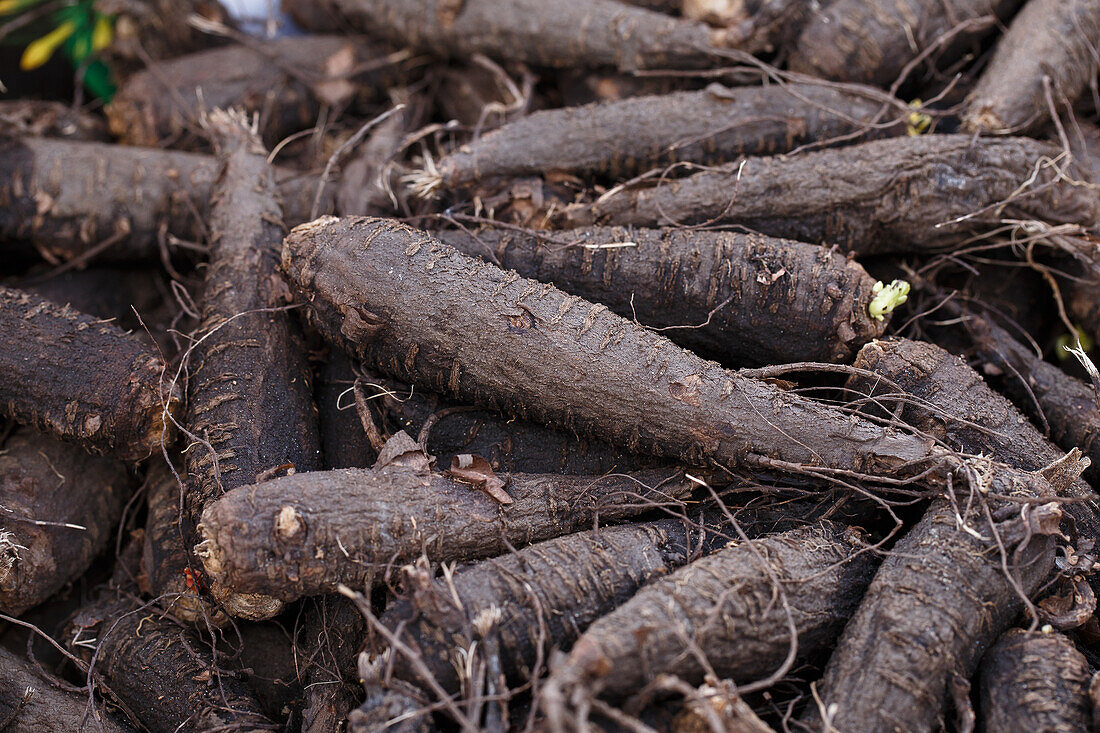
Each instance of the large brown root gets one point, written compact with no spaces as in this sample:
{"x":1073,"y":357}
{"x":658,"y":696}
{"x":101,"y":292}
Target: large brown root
{"x":58,"y":507}
{"x":1031,"y":681}
{"x":589,"y":33}
{"x":872,"y":41}
{"x":741,"y":299}
{"x":32,"y":702}
{"x":1050,"y":49}
{"x":424,"y":313}
{"x":307,"y":533}
{"x":734,"y":610}
{"x":627,"y":137}
{"x":250,"y":400}
{"x":162,"y":672}
{"x":82,"y":379}
{"x":908,"y":194}
{"x":70,"y":198}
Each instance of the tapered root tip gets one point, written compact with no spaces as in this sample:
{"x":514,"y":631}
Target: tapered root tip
{"x":423,"y":183}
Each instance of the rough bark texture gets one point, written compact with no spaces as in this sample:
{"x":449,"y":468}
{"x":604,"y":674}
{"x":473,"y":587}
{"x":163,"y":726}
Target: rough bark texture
{"x":44,"y":118}
{"x":333,"y":635}
{"x":33,"y":703}
{"x":249,"y":392}
{"x":1049,"y":38}
{"x":45,"y":484}
{"x":993,"y":428}
{"x":1031,"y":681}
{"x":762,"y":300}
{"x":162,"y":672}
{"x":82,"y":379}
{"x":511,"y":445}
{"x":624,"y":138}
{"x":305,"y":534}
{"x":416,"y":308}
{"x":164,"y":561}
{"x":727,"y":606}
{"x":762,"y":26}
{"x":897,"y":195}
{"x":344,"y":441}
{"x":107,"y":293}
{"x":871,"y":41}
{"x":1050,"y":396}
{"x":547,"y":594}
{"x":563,"y":34}
{"x":66,"y":197}
{"x":285,"y":81}
{"x":938,"y":601}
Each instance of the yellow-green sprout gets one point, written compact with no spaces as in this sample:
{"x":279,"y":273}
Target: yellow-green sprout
{"x":887,"y":298}
{"x":40,"y":51}
{"x":918,"y":122}
{"x":1067,"y":341}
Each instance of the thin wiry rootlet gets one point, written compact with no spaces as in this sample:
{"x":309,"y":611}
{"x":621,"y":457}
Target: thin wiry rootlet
{"x":903,"y":195}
